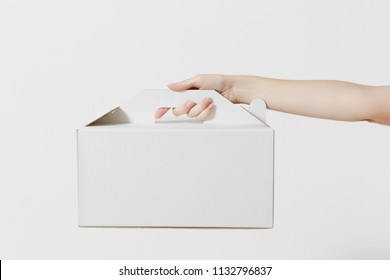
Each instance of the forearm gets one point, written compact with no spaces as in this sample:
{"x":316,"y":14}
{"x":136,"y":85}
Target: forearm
{"x":324,"y":99}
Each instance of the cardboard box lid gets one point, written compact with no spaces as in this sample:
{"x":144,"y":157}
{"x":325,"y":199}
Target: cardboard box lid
{"x":140,"y":109}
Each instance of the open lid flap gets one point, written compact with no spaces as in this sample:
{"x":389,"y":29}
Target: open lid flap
{"x":140,"y":109}
{"x":99,"y":114}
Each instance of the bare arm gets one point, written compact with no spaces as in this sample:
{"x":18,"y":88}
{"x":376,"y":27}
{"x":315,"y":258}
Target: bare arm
{"x":326,"y":99}
{"x":321,"y":99}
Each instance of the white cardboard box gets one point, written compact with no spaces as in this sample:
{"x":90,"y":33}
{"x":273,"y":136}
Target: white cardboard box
{"x":135,"y":172}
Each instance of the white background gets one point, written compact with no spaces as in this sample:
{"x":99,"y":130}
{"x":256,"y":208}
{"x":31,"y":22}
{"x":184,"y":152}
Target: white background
{"x":60,"y":59}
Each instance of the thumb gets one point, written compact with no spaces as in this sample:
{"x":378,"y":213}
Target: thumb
{"x":194,"y":82}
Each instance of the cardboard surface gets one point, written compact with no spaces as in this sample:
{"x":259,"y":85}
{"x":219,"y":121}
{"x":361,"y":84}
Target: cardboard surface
{"x":134,"y":172}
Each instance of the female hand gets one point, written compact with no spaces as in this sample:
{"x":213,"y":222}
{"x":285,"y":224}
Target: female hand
{"x":235,"y":88}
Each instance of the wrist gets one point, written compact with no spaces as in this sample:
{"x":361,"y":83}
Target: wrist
{"x":248,"y":88}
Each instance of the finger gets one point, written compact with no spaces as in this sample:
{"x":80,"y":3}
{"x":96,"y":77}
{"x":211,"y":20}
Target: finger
{"x":194,"y":82}
{"x":198,"y":108}
{"x":203,"y":115}
{"x":160,"y":112}
{"x":183,"y":108}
